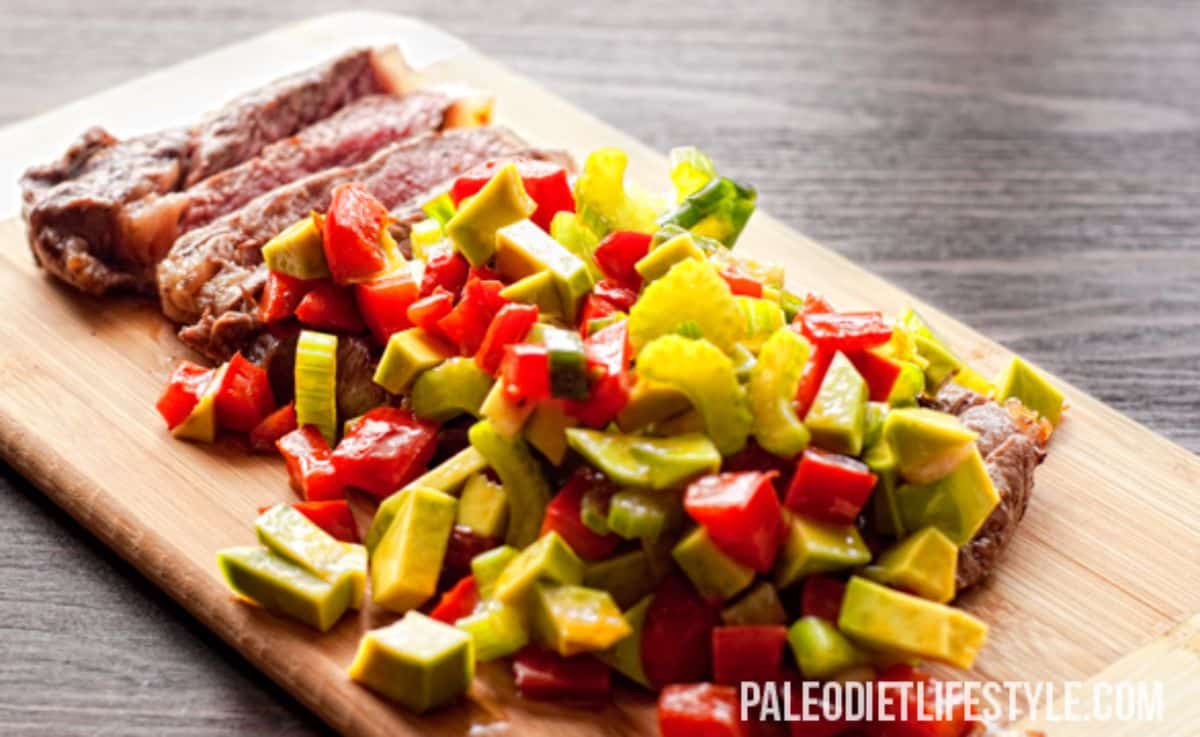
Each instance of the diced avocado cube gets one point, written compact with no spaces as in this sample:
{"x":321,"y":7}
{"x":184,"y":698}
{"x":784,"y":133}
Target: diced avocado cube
{"x":523,"y":249}
{"x":487,"y":567}
{"x":639,"y":513}
{"x":501,"y":202}
{"x":406,"y":564}
{"x":354,"y":564}
{"x":548,"y":559}
{"x":837,"y":417}
{"x":539,"y":289}
{"x":654,"y":463}
{"x":714,"y":574}
{"x":626,"y":656}
{"x":547,"y":428}
{"x":201,"y":423}
{"x":568,"y":364}
{"x":448,"y":476}
{"x":758,"y":606}
{"x":440,"y":208}
{"x":572,"y":619}
{"x":454,"y":387}
{"x":507,"y":415}
{"x":419,"y":662}
{"x":927,"y":444}
{"x":627,"y":578}
{"x":660,"y":260}
{"x":909,"y":384}
{"x":975,"y":381}
{"x":650,"y":402}
{"x":298,"y":251}
{"x":483,"y":507}
{"x":924,"y":563}
{"x":876,"y":413}
{"x":890,"y":620}
{"x":424,"y":235}
{"x":408,"y":353}
{"x":290,"y":534}
{"x":812,"y":546}
{"x":497,"y":629}
{"x":884,"y":509}
{"x":957,"y":504}
{"x":940,"y":362}
{"x":1022,"y":381}
{"x":280,"y":586}
{"x":527,"y":489}
{"x":821,"y":650}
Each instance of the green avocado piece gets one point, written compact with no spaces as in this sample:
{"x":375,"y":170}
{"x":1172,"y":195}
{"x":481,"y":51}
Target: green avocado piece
{"x":924,"y":563}
{"x":909,"y":384}
{"x":288,"y":533}
{"x":280,"y":586}
{"x":523,"y":249}
{"x":1022,"y":381}
{"x":548,"y":559}
{"x":626,"y":656}
{"x":454,"y":387}
{"x":627,"y":578}
{"x":519,"y":472}
{"x":821,"y":650}
{"x":876,"y":413}
{"x":497,"y":629}
{"x":890,"y":620}
{"x":501,"y":202}
{"x":483,"y":507}
{"x":927,"y":444}
{"x":660,"y":260}
{"x":201,"y":423}
{"x":941,"y":363}
{"x":539,"y":289}
{"x":714,"y":574}
{"x":812,"y":546}
{"x":573,"y":619}
{"x":649,"y":402}
{"x":408,"y":560}
{"x":884,"y":510}
{"x":408,"y":354}
{"x":506,"y":415}
{"x":298,"y":251}
{"x":546,"y":430}
{"x":837,"y":418}
{"x":487,"y":567}
{"x":448,"y":476}
{"x":419,"y":662}
{"x":957,"y":504}
{"x":758,"y":606}
{"x":654,"y":463}
{"x":643,"y":514}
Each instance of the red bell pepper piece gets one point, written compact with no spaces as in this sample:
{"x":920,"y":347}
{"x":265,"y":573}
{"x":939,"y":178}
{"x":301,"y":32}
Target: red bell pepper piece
{"x":621,"y":297}
{"x":330,"y":307}
{"x":446,"y":270}
{"x":619,"y":252}
{"x":923,"y":711}
{"x":547,"y":676}
{"x":814,"y":304}
{"x":846,"y":331}
{"x":544,"y":182}
{"x":740,"y":512}
{"x":830,"y":486}
{"x":595,"y":307}
{"x":332,"y":516}
{"x":510,"y":325}
{"x":458,"y":602}
{"x":879,"y":372}
{"x":281,"y":296}
{"x":609,"y":349}
{"x":562,"y":516}
{"x":309,"y":464}
{"x":187,"y":383}
{"x":468,"y":322}
{"x":740,"y":283}
{"x":463,"y":546}
{"x":244,"y":396}
{"x":677,"y":635}
{"x":384,"y":302}
{"x":525,"y":371}
{"x":811,"y":378}
{"x":273,"y":427}
{"x":748,"y":653}
{"x":700,"y":710}
{"x":822,"y":597}
{"x":352,"y":236}
{"x":609,"y":356}
{"x":426,"y":312}
{"x":383,"y":450}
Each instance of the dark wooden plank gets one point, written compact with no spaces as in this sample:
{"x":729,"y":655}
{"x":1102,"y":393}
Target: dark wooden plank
{"x":1028,"y":167}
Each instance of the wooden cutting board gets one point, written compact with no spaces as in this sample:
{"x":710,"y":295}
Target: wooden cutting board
{"x":1106,"y":562}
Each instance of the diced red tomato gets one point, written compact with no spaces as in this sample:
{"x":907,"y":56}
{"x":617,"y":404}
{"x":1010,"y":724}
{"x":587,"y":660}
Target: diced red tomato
{"x":700,"y":710}
{"x":273,"y":427}
{"x":620,"y":297}
{"x":846,"y":331}
{"x":384,"y":449}
{"x":309,"y":464}
{"x":740,"y":512}
{"x":608,"y":356}
{"x":740,"y":283}
{"x":510,"y":325}
{"x":332,"y":516}
{"x":463,"y":546}
{"x":748,"y":653}
{"x":184,"y":389}
{"x":468,"y":322}
{"x":677,"y":634}
{"x":384,"y":302}
{"x":562,"y":516}
{"x":458,"y":602}
{"x":595,"y":307}
{"x":353,"y":228}
{"x":426,"y":312}
{"x":330,"y":307}
{"x":525,"y":372}
{"x":822,"y":597}
{"x":544,"y":182}
{"x":547,"y":676}
{"x":619,"y":252}
{"x":830,"y":486}
{"x":244,"y":397}
{"x":811,"y":378}
{"x":923,"y":710}
{"x":447,"y":270}
{"x":281,"y":296}
{"x":879,"y":372}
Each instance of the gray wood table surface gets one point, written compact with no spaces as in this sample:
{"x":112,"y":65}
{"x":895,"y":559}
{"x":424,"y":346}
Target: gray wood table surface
{"x":1029,"y":167}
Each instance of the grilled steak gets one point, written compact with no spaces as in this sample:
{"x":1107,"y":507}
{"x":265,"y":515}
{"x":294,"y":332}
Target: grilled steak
{"x":105,"y":213}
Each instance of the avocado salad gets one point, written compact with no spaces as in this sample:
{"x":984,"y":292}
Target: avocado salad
{"x":604,"y":442}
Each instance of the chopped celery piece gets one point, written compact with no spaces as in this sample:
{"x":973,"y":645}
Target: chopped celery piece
{"x":691,"y":291}
{"x":425,"y":234}
{"x":568,"y":363}
{"x":718,"y":210}
{"x":957,"y":504}
{"x":506,"y":414}
{"x":626,"y":656}
{"x":576,"y":238}
{"x":316,"y":382}
{"x":763,"y":319}
{"x":821,"y":650}
{"x":524,"y":249}
{"x":923,"y":563}
{"x":654,"y":463}
{"x":454,"y":387}
{"x":691,"y":169}
{"x":418,"y":661}
{"x":714,"y":574}
{"x":1022,"y":381}
{"x":290,"y":534}
{"x":706,"y":375}
{"x":439,"y":209}
{"x":791,"y":304}
{"x":758,"y":606}
{"x":642,"y":514}
{"x":837,"y":418}
{"x":546,"y":430}
{"x":548,"y":559}
{"x":487,"y":567}
{"x":298,"y":251}
{"x":527,"y":489}
{"x":774,"y":381}
{"x":408,"y":354}
{"x":659,"y":261}
{"x":573,"y":619}
{"x":483,"y":507}
{"x":626,"y":577}
{"x":283,"y":587}
{"x":448,"y":476}
{"x":603,"y":200}
{"x":743,"y":363}
{"x":406,"y":564}
{"x":813,"y":546}
{"x":501,"y":202}
{"x":975,"y":381}
{"x":498,"y":630}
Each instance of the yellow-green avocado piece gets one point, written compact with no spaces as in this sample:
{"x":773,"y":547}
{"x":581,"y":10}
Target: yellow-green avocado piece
{"x":927,"y":444}
{"x":660,"y":260}
{"x":574,"y":619}
{"x":501,"y":202}
{"x":838,"y":416}
{"x":821,"y":650}
{"x":408,"y":354}
{"x":714,"y":574}
{"x":298,"y":251}
{"x":957,"y":504}
{"x":759,"y":605}
{"x":290,"y":534}
{"x":408,"y":561}
{"x":419,"y":662}
{"x":626,"y":656}
{"x":1022,"y":381}
{"x":812,"y":546}
{"x":283,"y":587}
{"x":548,"y":559}
{"x":448,"y":477}
{"x":201,"y":423}
{"x":483,"y":507}
{"x":455,"y":386}
{"x":523,"y":249}
{"x":924,"y":563}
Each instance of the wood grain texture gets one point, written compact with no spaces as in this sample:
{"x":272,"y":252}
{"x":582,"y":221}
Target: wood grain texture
{"x":1030,"y":170}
